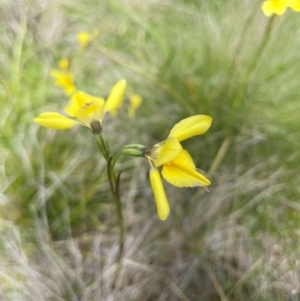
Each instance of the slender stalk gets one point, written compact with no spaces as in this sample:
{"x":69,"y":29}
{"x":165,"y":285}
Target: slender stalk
{"x":103,"y":145}
{"x":114,"y":187}
{"x":114,"y":183}
{"x":257,"y":56}
{"x":239,"y":47}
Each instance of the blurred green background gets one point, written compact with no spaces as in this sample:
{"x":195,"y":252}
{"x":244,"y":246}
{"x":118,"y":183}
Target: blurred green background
{"x":222,"y":58}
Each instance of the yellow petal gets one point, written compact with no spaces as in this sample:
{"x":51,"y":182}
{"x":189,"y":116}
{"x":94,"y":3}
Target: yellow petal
{"x":295,"y":5}
{"x":277,"y":7}
{"x":115,"y":97}
{"x":164,"y":151}
{"x":162,"y":205}
{"x":80,"y":100}
{"x":55,"y":121}
{"x":91,"y":112}
{"x":192,"y":126}
{"x":181,"y":172}
{"x":135,"y":102}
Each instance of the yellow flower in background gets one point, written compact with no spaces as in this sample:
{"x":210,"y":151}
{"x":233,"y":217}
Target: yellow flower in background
{"x":277,"y":7}
{"x":84,"y":38}
{"x":87,"y":109}
{"x":295,"y":5}
{"x":64,"y":64}
{"x":63,"y":78}
{"x":178,"y":167}
{"x":135,"y":102}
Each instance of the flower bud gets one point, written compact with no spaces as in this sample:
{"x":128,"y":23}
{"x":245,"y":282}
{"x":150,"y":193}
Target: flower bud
{"x":133,"y":150}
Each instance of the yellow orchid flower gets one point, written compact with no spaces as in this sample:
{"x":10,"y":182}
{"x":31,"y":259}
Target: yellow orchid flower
{"x":178,"y":167}
{"x":135,"y":102}
{"x":277,"y":7}
{"x":295,"y":4}
{"x":87,"y":109}
{"x":64,"y":64}
{"x":84,"y":38}
{"x":65,"y":80}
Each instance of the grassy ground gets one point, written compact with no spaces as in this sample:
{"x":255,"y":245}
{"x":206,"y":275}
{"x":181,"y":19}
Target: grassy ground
{"x":59,"y":234}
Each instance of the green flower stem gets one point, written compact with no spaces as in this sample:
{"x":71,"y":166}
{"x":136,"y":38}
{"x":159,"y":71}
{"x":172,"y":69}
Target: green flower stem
{"x":103,"y":145}
{"x":114,"y":183}
{"x":260,"y":49}
{"x":265,"y":39}
{"x":114,"y":160}
{"x":238,"y":50}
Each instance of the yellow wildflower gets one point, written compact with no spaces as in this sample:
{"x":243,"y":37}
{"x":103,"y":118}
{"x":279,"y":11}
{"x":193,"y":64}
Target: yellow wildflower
{"x":64,"y":64}
{"x":87,"y":109}
{"x":135,"y":102}
{"x":64,"y":80}
{"x":84,"y":38}
{"x":178,"y":167}
{"x":277,"y":7}
{"x":295,"y":4}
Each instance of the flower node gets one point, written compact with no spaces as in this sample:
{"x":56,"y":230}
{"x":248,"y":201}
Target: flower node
{"x":96,"y":126}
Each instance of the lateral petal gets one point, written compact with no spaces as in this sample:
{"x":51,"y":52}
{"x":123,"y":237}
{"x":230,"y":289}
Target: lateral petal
{"x":181,"y":172}
{"x":115,"y":97}
{"x":54,"y":120}
{"x":165,"y":151}
{"x":191,"y":126}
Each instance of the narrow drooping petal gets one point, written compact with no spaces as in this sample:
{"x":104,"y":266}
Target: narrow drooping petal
{"x":181,"y":172}
{"x":135,"y":102}
{"x":80,"y":100}
{"x":164,"y":151}
{"x":192,"y":126}
{"x":115,"y":97}
{"x":162,"y":205}
{"x":55,"y":121}
{"x":277,"y":7}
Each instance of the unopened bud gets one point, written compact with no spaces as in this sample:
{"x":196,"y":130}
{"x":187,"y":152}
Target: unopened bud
{"x":133,"y":150}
